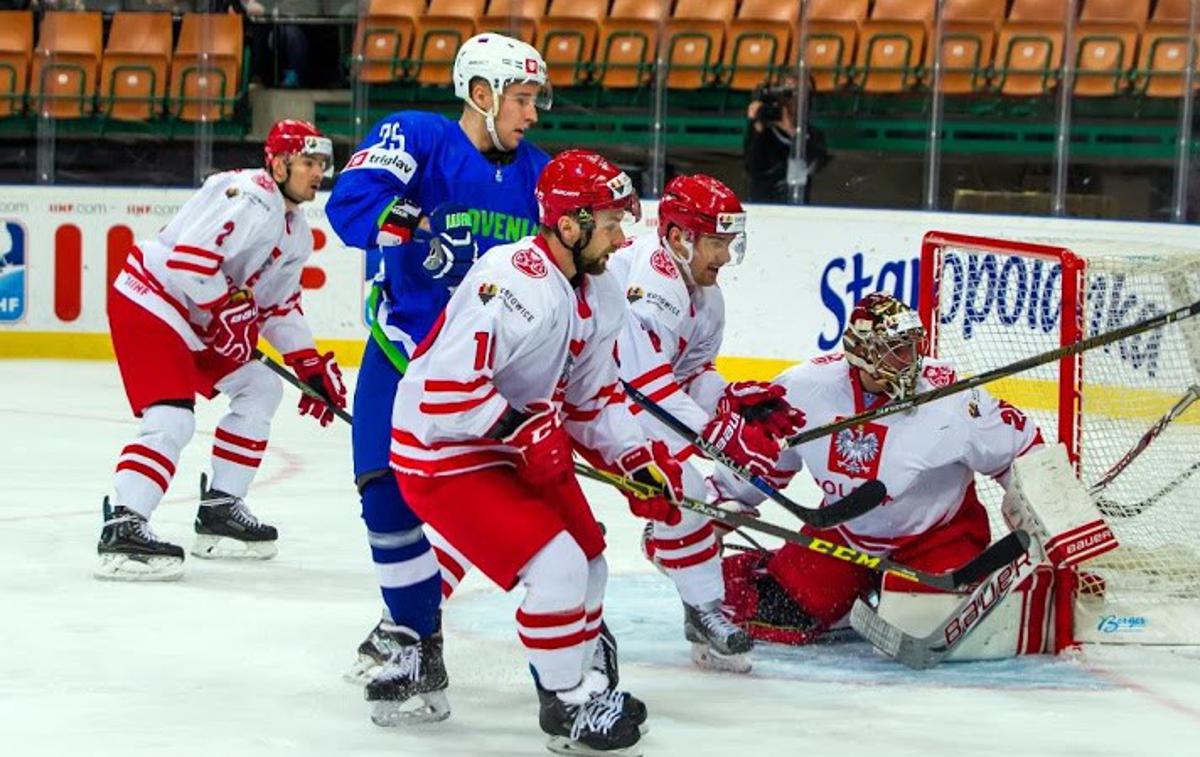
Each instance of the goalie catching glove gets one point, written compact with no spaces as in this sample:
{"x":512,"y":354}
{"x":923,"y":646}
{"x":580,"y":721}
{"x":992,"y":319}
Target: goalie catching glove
{"x":322,"y":374}
{"x":652,"y":464}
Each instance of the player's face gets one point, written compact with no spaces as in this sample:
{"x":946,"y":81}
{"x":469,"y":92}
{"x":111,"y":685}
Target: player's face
{"x":606,"y":238}
{"x":305,"y":179}
{"x":518,"y":112}
{"x":710,"y":253}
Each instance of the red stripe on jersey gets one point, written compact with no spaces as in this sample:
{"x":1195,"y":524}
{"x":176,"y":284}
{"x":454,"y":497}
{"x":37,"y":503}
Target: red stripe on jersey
{"x":549,"y":620}
{"x":198,"y":251}
{"x":651,"y":375}
{"x":447,"y":589}
{"x":151,"y":454}
{"x":556,"y":642}
{"x":180,"y":265}
{"x":145,"y":470}
{"x":691,"y":560}
{"x":657,"y":395}
{"x":233,"y":457}
{"x":403,"y":437}
{"x":256,"y":445}
{"x":445,"y":385}
{"x":575,"y":414}
{"x":449,"y":408}
{"x":688,"y":540}
{"x":467,"y":461}
{"x":448,"y":563}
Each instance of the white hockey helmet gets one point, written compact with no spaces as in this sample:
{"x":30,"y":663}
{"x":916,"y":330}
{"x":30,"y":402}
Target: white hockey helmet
{"x":500,"y":61}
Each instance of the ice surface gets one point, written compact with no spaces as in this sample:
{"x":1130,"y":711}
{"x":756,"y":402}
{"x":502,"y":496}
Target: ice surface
{"x":246,"y":659}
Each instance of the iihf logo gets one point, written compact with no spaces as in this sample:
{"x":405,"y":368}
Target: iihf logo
{"x":12,"y":271}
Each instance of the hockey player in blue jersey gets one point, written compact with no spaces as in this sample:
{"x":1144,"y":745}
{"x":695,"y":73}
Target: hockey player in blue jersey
{"x":428,"y":195}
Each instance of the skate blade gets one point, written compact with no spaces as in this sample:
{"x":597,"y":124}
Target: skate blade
{"x":210,"y":547}
{"x":564,"y":745}
{"x":708,"y":658}
{"x":118,"y":567}
{"x":434,"y":708}
{"x":362,"y":671}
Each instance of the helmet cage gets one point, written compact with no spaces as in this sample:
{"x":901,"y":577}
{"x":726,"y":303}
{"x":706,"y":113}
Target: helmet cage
{"x":888,"y":348}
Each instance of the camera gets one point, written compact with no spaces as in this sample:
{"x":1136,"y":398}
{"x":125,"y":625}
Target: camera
{"x":774,"y":100}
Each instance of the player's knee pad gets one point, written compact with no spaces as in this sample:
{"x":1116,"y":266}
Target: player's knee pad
{"x":383,"y":507}
{"x":556,"y":578}
{"x":171,"y":425}
{"x":597,"y":580}
{"x":1022,"y":624}
{"x":254,"y":390}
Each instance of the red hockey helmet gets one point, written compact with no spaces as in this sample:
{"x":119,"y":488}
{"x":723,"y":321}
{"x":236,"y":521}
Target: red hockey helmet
{"x":291,"y":136}
{"x":578,"y":180}
{"x":700,"y":205}
{"x":884,"y":337}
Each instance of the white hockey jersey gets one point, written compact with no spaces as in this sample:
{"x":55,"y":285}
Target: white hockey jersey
{"x":234,"y":232}
{"x":668,"y":347}
{"x":514,"y":332}
{"x":927,"y":457}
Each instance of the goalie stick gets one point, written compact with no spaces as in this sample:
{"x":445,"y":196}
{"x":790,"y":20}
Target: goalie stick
{"x":923,"y":652}
{"x":826,"y":517}
{"x":1000,"y":553}
{"x":900,"y":406}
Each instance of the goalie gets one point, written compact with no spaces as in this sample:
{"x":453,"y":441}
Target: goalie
{"x":927,"y":458}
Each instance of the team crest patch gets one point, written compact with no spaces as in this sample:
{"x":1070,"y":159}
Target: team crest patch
{"x":939,"y":375}
{"x":487,"y":292}
{"x":529,"y":263}
{"x":661,"y":262}
{"x":832,"y":357}
{"x":264,"y":181}
{"x":633,"y":294}
{"x":232,"y":192}
{"x":856,"y":451}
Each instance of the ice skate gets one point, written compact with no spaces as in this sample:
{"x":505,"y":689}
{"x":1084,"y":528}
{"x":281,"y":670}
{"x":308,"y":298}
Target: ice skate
{"x":130,"y":551}
{"x":717,"y":644}
{"x":585,"y":720}
{"x":605,"y":663}
{"x":410,"y":687}
{"x":226,"y":529}
{"x":373,"y":654}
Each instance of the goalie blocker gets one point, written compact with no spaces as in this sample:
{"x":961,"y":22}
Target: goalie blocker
{"x":1025,"y":608}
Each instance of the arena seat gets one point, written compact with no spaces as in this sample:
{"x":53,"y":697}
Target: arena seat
{"x":445,"y":26}
{"x":1164,"y":51}
{"x":695,"y":39}
{"x":830,"y":40}
{"x":1029,"y":51}
{"x":968,"y":43}
{"x":65,"y":63}
{"x":133,"y":75}
{"x":384,"y":39}
{"x":567,"y":37}
{"x":1106,"y":45}
{"x":516,"y":18}
{"x":206,"y":68}
{"x":891,"y":45}
{"x":758,"y":41}
{"x":16,"y":50}
{"x":629,"y":41}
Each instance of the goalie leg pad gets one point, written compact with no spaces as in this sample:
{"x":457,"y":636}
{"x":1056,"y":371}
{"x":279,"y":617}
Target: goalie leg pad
{"x":761,"y":606}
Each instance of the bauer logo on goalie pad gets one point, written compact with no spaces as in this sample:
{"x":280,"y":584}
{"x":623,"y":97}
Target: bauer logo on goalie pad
{"x":997,"y":588}
{"x":12,"y":272}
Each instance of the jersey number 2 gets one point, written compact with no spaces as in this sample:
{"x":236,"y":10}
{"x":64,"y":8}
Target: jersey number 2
{"x":227,"y":229}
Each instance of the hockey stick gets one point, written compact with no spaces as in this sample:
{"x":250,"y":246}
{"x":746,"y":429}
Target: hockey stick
{"x":825,"y":517}
{"x":923,"y":652}
{"x":994,"y":557}
{"x":900,"y":406}
{"x":1114,"y":509}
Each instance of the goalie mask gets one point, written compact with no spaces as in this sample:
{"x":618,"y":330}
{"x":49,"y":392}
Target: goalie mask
{"x":884,"y":337}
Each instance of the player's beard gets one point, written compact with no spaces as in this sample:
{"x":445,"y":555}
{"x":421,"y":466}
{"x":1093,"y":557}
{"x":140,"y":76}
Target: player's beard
{"x":597,"y":265}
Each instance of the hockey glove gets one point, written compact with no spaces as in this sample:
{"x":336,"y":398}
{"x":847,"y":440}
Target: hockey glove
{"x":451,"y":244}
{"x":398,"y":222}
{"x":747,"y":444}
{"x":654,"y":465}
{"x":762,"y":404}
{"x":542,"y":445}
{"x":233,"y":331}
{"x":322,"y":374}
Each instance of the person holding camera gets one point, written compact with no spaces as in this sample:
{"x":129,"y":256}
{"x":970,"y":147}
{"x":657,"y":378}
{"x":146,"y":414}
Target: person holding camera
{"x":767,"y":145}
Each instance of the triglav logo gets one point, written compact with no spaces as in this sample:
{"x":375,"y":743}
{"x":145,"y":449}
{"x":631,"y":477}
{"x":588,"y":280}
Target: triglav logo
{"x":12,"y":271}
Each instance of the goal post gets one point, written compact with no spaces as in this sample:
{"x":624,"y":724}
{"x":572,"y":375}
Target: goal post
{"x":988,"y":302}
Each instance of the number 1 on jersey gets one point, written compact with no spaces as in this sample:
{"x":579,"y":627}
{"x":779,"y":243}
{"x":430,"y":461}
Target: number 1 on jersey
{"x":485,"y":351}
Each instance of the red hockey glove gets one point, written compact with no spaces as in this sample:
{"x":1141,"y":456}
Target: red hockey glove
{"x":653,"y":464}
{"x":543,"y":446}
{"x":762,"y":404}
{"x":233,"y":331}
{"x":322,"y":374}
{"x":747,"y":444}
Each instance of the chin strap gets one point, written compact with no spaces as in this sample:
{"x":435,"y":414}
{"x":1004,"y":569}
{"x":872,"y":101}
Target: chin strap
{"x":283,"y":184}
{"x":489,"y":120}
{"x":586,"y":226}
{"x":684,"y":262}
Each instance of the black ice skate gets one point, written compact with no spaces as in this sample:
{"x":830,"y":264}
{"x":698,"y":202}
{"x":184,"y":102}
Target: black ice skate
{"x":373,"y":654}
{"x":717,"y":644}
{"x":226,"y":529}
{"x":605,"y":663}
{"x":580,"y":721}
{"x":129,"y":550}
{"x":411,"y":686}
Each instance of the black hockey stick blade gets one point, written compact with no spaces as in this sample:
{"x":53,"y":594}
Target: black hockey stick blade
{"x":304,"y":388}
{"x":862,"y":500}
{"x":993,"y":558}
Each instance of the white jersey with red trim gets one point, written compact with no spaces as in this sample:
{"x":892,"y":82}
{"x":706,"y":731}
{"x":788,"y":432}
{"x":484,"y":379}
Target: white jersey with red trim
{"x":927,"y":457}
{"x":668,"y":347}
{"x":234,"y":232}
{"x":514,"y":332}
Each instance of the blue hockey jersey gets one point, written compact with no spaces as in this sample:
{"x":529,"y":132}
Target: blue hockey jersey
{"x":427,"y":159}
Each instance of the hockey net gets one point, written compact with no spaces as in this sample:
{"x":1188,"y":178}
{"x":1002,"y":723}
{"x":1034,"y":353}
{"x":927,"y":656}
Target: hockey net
{"x":989,"y":302}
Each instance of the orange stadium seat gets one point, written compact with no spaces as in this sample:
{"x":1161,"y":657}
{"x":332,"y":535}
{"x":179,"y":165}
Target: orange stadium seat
{"x":16,"y":49}
{"x":830,"y":39}
{"x":629,"y":41}
{"x":1029,"y":52}
{"x":567,"y":37}
{"x":516,"y":18}
{"x":968,"y":43}
{"x":206,"y":69}
{"x":695,"y":39}
{"x":65,"y":63}
{"x":759,"y":40}
{"x":384,"y":39}
{"x":133,"y":76}
{"x":891,"y":45}
{"x":1164,"y":51}
{"x":1106,"y":45}
{"x":446,"y":25}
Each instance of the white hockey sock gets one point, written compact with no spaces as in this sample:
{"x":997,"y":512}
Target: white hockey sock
{"x":593,"y":606}
{"x":241,"y":437}
{"x":691,"y":557}
{"x":550,"y":620}
{"x":146,"y":466}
